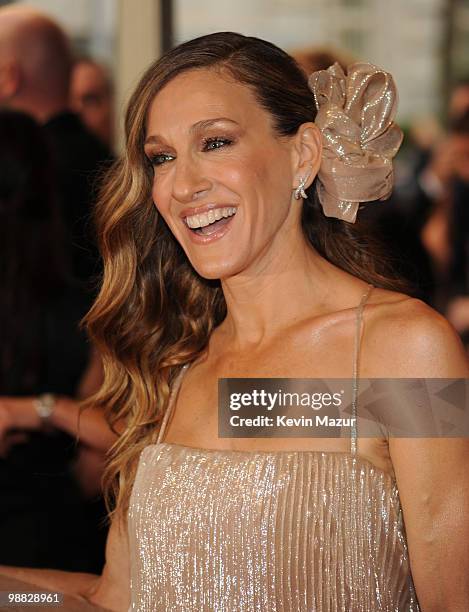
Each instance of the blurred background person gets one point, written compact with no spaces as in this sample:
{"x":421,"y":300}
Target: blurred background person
{"x":314,"y":58}
{"x":35,"y":68}
{"x":91,"y":97}
{"x":42,"y":350}
{"x":424,"y":223}
{"x":436,"y":199}
{"x":397,"y":223}
{"x":455,"y":238}
{"x":459,"y":99}
{"x":432,"y":196}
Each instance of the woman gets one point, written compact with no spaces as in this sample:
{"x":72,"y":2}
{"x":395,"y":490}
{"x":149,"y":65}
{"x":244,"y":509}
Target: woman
{"x":220,"y":262}
{"x":46,"y":365}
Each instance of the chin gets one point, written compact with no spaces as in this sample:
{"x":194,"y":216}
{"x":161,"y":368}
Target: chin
{"x":214,"y":270}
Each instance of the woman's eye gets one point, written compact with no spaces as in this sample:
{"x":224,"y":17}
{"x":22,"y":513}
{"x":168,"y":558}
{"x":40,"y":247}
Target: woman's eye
{"x":215,"y":143}
{"x":209,"y":144}
{"x":160,"y":158}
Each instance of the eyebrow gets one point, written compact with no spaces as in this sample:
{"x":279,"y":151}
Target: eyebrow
{"x":197,"y":127}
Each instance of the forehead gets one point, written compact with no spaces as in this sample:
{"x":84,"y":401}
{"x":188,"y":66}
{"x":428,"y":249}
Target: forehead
{"x":202,"y":94}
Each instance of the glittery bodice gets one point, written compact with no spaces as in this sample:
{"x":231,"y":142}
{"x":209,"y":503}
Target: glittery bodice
{"x":242,"y":531}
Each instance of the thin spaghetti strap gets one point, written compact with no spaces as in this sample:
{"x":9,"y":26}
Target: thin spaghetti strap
{"x":356,"y":354}
{"x":172,"y":400}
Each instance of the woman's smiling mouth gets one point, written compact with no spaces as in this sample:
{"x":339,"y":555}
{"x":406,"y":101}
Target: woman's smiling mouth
{"x":209,"y":223}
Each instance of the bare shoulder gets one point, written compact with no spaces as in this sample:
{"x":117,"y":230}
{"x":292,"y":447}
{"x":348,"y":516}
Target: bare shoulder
{"x":404,"y":337}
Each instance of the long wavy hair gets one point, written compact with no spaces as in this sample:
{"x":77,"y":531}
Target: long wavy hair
{"x":154,"y":312}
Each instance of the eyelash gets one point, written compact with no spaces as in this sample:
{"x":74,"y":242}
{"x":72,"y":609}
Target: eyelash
{"x":161,"y":158}
{"x":218,"y":139}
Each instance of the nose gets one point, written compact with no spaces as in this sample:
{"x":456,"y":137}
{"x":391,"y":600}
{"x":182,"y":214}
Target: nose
{"x":189,"y":181}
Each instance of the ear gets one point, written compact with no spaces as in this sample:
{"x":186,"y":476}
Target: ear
{"x":10,"y":79}
{"x":307,"y":153}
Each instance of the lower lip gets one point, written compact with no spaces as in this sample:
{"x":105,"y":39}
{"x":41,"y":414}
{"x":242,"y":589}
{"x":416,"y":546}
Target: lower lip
{"x":201,"y":239}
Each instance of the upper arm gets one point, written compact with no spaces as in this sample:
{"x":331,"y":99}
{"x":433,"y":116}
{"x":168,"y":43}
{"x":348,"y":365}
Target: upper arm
{"x":432,"y":473}
{"x":433,"y":480}
{"x":112,"y":590}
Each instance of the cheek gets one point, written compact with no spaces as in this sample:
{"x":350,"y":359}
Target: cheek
{"x":250,"y":175}
{"x":160,"y":198}
{"x":272,"y":184}
{"x":270,"y":166}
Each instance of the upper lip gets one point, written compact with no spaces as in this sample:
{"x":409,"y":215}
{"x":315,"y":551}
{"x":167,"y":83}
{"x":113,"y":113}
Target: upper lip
{"x":198,"y":210}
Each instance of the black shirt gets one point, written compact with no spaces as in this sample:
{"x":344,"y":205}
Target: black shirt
{"x":81,"y":160}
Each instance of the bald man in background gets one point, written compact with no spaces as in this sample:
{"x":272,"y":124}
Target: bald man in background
{"x":35,"y":69}
{"x":35,"y":66}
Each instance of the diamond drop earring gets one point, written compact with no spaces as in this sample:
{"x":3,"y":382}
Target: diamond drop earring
{"x":300,"y":190}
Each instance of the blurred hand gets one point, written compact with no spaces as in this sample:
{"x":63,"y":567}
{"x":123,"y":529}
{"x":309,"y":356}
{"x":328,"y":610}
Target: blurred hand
{"x":450,"y":159}
{"x":458,"y":313}
{"x":443,"y":162}
{"x":435,"y":239}
{"x":16,"y":413}
{"x":6,"y":418}
{"x":461,"y":156}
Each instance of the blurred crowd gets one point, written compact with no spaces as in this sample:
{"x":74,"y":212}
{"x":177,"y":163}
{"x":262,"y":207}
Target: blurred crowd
{"x":56,"y":141}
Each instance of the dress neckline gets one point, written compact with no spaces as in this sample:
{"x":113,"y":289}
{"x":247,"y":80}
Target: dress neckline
{"x":359,"y":459}
{"x":355,"y":381}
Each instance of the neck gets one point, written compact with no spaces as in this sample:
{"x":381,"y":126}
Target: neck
{"x":293,"y":284}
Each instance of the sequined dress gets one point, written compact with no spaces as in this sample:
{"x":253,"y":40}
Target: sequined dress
{"x":266,"y":531}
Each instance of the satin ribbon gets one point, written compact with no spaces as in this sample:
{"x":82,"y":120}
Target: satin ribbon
{"x":355,"y":115}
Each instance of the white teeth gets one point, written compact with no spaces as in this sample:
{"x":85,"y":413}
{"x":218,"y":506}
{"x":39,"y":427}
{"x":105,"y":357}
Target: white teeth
{"x":204,"y":219}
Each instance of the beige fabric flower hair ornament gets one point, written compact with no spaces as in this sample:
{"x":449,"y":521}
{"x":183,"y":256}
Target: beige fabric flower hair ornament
{"x":355,"y":115}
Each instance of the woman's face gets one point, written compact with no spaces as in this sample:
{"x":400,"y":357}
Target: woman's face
{"x":222,"y":178}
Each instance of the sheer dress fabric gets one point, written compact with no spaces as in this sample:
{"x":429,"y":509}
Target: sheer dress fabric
{"x":275,"y":531}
